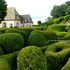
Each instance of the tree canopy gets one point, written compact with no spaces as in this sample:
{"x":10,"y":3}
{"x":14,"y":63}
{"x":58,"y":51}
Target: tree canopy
{"x":3,"y":8}
{"x":61,"y":10}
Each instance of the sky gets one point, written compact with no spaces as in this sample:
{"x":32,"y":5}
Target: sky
{"x":38,"y":9}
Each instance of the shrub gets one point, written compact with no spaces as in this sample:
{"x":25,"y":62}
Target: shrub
{"x":11,"y":42}
{"x":67,"y":65}
{"x":50,"y":36}
{"x":1,"y":51}
{"x":4,"y":65}
{"x":28,"y":30}
{"x":20,"y":31}
{"x":60,"y":35}
{"x":8,"y":62}
{"x":57,"y":27}
{"x":3,"y":30}
{"x":31,"y":58}
{"x":36,"y":38}
{"x":57,"y":55}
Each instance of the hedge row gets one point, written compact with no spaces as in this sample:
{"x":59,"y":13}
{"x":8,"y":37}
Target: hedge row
{"x":11,"y":42}
{"x":57,"y":55}
{"x":41,"y":38}
{"x":31,"y":58}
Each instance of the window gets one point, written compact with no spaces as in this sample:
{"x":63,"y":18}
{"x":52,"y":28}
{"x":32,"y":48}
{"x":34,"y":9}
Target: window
{"x":4,"y":24}
{"x":11,"y":25}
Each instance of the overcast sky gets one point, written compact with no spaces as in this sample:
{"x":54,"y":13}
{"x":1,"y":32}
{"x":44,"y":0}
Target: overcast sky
{"x":38,"y":9}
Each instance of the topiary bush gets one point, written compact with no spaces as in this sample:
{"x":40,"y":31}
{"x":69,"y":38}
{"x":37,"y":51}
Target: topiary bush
{"x":31,"y":58}
{"x":11,"y":42}
{"x":57,"y":27}
{"x":50,"y":36}
{"x":67,"y":65}
{"x":4,"y":65}
{"x":3,"y":30}
{"x":20,"y":31}
{"x":57,"y":55}
{"x":8,"y":62}
{"x":36,"y":38}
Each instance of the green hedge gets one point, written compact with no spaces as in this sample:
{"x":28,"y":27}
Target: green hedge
{"x":36,"y":38}
{"x":10,"y":42}
{"x":1,"y":51}
{"x":3,"y":30}
{"x":67,"y":65}
{"x":57,"y":55}
{"x":31,"y":58}
{"x":50,"y":36}
{"x":8,"y":62}
{"x":20,"y":31}
{"x":57,"y":27}
{"x":4,"y":65}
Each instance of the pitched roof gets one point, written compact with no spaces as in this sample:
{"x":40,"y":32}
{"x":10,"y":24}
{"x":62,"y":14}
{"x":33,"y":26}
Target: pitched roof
{"x":27,"y":18}
{"x":12,"y":14}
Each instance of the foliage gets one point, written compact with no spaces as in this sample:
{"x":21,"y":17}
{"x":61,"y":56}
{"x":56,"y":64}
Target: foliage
{"x":67,"y":65}
{"x":4,"y":65}
{"x":8,"y":60}
{"x":57,"y":55}
{"x":39,"y":22}
{"x":3,"y":30}
{"x":20,"y":31}
{"x":11,"y":42}
{"x":61,"y":10}
{"x":36,"y":38}
{"x":3,"y":8}
{"x":50,"y":36}
{"x":31,"y":58}
{"x":57,"y":27}
{"x":1,"y":51}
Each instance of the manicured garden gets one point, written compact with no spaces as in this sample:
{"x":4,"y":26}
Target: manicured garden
{"x":35,"y":48}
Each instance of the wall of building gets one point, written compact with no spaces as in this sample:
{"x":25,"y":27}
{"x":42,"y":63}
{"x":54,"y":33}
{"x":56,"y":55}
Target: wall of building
{"x":28,"y":24}
{"x":11,"y":24}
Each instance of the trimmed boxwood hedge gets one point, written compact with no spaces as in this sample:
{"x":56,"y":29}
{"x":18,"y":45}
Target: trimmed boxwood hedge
{"x":57,"y":55}
{"x":57,"y":27}
{"x":11,"y":42}
{"x":8,"y":62}
{"x":36,"y":38}
{"x":1,"y":51}
{"x":20,"y":31}
{"x":50,"y":36}
{"x":67,"y":65}
{"x":31,"y":58}
{"x":4,"y":65}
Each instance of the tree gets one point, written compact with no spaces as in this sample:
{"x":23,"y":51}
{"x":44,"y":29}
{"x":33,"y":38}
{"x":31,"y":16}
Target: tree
{"x":3,"y":8}
{"x":39,"y":22}
{"x":61,"y":10}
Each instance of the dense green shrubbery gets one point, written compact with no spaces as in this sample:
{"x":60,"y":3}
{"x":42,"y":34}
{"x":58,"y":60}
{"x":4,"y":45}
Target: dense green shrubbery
{"x":8,"y":62}
{"x":11,"y":42}
{"x":67,"y":65}
{"x":57,"y":55}
{"x":60,"y":35}
{"x":67,"y":37}
{"x":28,"y":30}
{"x":1,"y":51}
{"x":50,"y":36}
{"x":57,"y":27}
{"x":31,"y":58}
{"x":4,"y":65}
{"x":3,"y":30}
{"x":36,"y":38}
{"x":20,"y":31}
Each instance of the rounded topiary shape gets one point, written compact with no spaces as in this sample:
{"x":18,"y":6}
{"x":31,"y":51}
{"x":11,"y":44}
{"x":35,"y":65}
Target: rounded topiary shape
{"x":36,"y":38}
{"x":10,"y":42}
{"x":20,"y":31}
{"x":57,"y":27}
{"x":57,"y":55}
{"x":50,"y":36}
{"x":31,"y":58}
{"x":67,"y":65}
{"x":4,"y":65}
